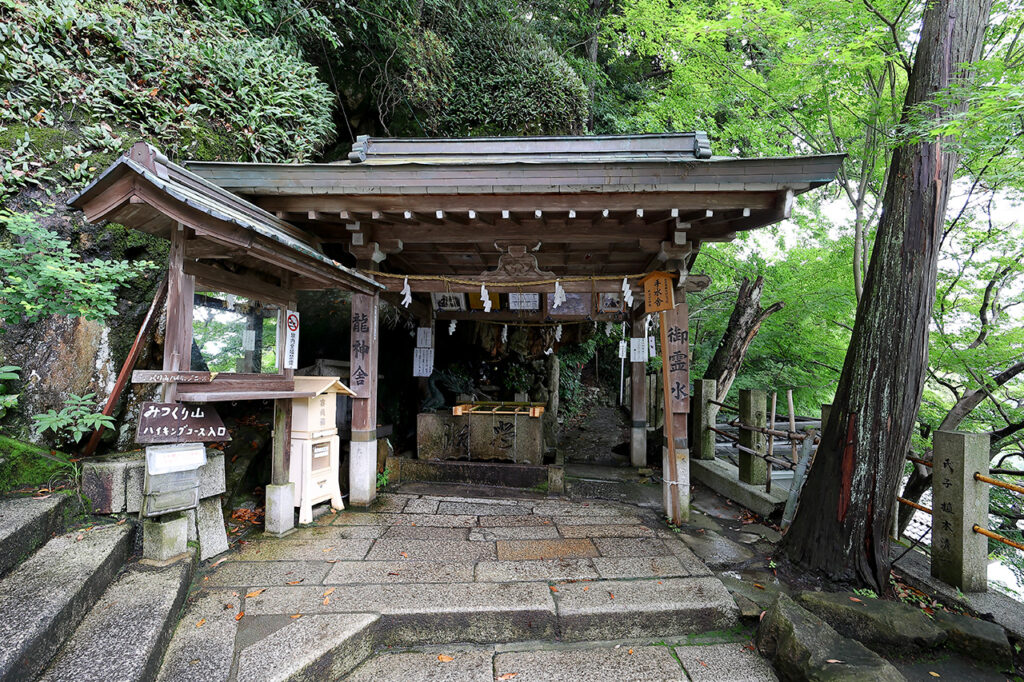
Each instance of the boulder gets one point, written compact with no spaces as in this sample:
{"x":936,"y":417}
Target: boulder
{"x":804,"y":647}
{"x":886,"y":627}
{"x":980,"y":640}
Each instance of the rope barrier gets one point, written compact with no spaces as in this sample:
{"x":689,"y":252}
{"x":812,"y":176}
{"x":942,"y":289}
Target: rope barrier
{"x":997,"y":537}
{"x":476,"y":282}
{"x":923,"y":462}
{"x":915,"y":505}
{"x":999,"y":484}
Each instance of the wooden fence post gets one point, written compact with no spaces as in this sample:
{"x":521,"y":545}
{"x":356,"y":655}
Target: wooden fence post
{"x":705,"y":414}
{"x":753,"y":408}
{"x":959,"y":555}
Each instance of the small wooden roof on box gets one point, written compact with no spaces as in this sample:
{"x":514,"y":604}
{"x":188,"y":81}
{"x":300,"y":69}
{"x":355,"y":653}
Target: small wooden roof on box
{"x":319,"y":385}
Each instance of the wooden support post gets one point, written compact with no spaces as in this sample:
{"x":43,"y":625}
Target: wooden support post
{"x":638,"y":401}
{"x":959,"y":555}
{"x":675,"y":362}
{"x":753,"y":469}
{"x":180,"y":295}
{"x":280,"y":493}
{"x":363,"y":381}
{"x":705,"y":414}
{"x":792,"y":422}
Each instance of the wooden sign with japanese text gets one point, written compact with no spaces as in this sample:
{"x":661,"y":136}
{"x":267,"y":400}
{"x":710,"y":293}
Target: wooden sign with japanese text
{"x":156,"y":376}
{"x":658,"y":293}
{"x":676,"y":356}
{"x":178,"y":423}
{"x":363,"y":356}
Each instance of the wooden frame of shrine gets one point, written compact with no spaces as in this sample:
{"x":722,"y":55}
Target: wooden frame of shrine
{"x":418,"y":217}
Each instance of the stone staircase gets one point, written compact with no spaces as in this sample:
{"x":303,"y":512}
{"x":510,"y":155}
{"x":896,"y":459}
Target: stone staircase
{"x":74,"y":605}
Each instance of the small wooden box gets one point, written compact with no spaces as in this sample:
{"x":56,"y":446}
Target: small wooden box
{"x":316,"y":417}
{"x":314,"y":471}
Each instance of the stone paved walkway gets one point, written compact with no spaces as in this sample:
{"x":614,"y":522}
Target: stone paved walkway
{"x":483,"y":574}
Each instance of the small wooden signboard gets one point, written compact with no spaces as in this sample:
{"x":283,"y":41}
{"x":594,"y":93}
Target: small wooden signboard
{"x":658,"y":293}
{"x":177,"y":423}
{"x":156,"y":376}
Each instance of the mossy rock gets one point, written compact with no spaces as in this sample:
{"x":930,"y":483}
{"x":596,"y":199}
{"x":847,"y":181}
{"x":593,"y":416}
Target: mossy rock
{"x":23,"y":465}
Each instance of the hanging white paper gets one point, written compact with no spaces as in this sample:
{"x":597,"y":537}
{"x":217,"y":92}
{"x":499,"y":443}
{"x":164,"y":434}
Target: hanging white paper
{"x":559,"y":297}
{"x":451,"y":328}
{"x":504,"y":334}
{"x":549,"y":350}
{"x":638,"y":350}
{"x":424,"y":337}
{"x":406,"y":294}
{"x":622,"y":350}
{"x":249,"y":339}
{"x":651,"y":350}
{"x":291,"y":340}
{"x":558,"y":333}
{"x":608,"y":328}
{"x":423,"y":362}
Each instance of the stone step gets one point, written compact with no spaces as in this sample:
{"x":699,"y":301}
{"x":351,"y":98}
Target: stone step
{"x":624,"y":609}
{"x":26,"y":523}
{"x":324,"y":647}
{"x":131,"y":624}
{"x":44,"y":598}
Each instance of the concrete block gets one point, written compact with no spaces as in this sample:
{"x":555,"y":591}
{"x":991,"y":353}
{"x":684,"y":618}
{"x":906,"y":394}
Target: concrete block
{"x":431,"y":550}
{"x":135,"y":478}
{"x":590,"y":664}
{"x":466,"y":666}
{"x":959,"y":555}
{"x":213,"y":539}
{"x":617,"y":609}
{"x":525,"y":550}
{"x":104,"y":484}
{"x":733,"y":662}
{"x":324,"y":647}
{"x":403,"y":571}
{"x":203,"y":653}
{"x":543,"y":570}
{"x":211,"y":475}
{"x":723,"y":478}
{"x":164,"y":538}
{"x":362,"y":473}
{"x":556,"y":480}
{"x":26,"y":523}
{"x":280,"y":508}
{"x":514,"y":438}
{"x":190,"y":519}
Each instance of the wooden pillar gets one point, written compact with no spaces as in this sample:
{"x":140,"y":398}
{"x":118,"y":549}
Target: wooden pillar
{"x":363,"y":382}
{"x":675,"y":357}
{"x":280,"y":493}
{"x":638,"y":400}
{"x":753,"y":411}
{"x":705,"y":414}
{"x":180,"y":295}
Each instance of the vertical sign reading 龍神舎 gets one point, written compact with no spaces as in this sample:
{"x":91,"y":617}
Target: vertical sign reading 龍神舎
{"x":364,"y":332}
{"x":291,"y":340}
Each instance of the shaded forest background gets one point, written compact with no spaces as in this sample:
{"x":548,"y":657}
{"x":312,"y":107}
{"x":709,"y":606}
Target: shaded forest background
{"x":297,"y":80}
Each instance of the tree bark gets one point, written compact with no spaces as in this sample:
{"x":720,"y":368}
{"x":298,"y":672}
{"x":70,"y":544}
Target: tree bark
{"x":841,"y":528}
{"x":744,"y":323}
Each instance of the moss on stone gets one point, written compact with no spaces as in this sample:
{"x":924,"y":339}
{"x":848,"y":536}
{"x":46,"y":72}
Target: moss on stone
{"x":25,"y":465}
{"x":43,"y":138}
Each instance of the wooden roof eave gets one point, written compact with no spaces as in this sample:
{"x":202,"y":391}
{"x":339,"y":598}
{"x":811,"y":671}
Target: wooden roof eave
{"x":128,"y":184}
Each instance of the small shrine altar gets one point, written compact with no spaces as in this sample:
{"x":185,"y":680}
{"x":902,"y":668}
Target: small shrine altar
{"x":493,"y":431}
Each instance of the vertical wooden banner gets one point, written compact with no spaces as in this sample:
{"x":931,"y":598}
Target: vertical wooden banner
{"x":675,"y":355}
{"x":363,"y":382}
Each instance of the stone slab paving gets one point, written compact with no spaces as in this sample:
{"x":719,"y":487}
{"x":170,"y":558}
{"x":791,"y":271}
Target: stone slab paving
{"x":429,"y":570}
{"x":596,"y":662}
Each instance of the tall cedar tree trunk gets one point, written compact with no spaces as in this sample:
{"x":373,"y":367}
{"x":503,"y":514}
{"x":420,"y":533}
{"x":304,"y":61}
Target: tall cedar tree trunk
{"x":744,"y":323}
{"x":841,"y":528}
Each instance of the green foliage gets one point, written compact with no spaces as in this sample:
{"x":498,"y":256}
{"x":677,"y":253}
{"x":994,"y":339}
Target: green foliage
{"x":76,"y":418}
{"x":7,"y":400}
{"x":383,"y":477}
{"x":23,"y":465}
{"x":516,"y":378}
{"x":572,"y":358}
{"x":194,"y":81}
{"x":41,"y":275}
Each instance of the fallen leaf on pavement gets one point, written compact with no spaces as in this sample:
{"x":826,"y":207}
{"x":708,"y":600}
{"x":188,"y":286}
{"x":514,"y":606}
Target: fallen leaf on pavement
{"x":296,"y":582}
{"x":327,"y":600}
{"x":405,"y":555}
{"x":329,"y":592}
{"x":934,"y":674}
{"x":554,"y":589}
{"x":218,"y":562}
{"x":507,"y":676}
{"x":201,"y":623}
{"x":79,"y":538}
{"x":256,"y":593}
{"x":833,"y":660}
{"x":444,"y":658}
{"x":703,"y":663}
{"x":296,"y":615}
{"x":239,"y":616}
{"x":856,"y":600}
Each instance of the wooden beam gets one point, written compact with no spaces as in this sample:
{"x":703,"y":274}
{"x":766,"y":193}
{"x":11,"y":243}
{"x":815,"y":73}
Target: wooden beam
{"x":430,"y":203}
{"x":249,"y":285}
